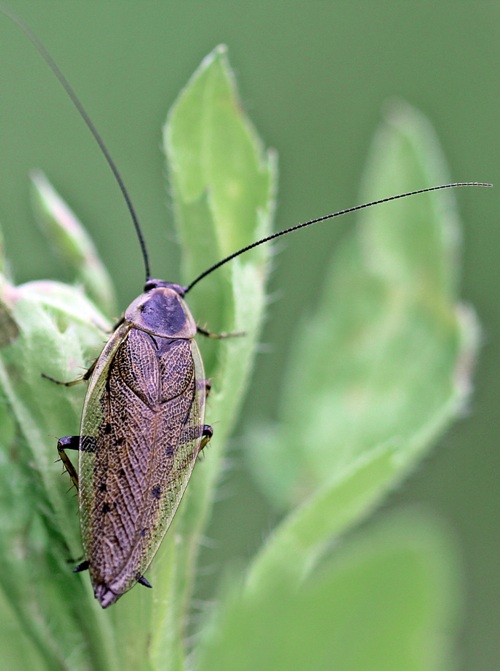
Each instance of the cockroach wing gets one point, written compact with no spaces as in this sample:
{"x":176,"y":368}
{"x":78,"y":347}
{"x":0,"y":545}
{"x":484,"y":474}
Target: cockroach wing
{"x":141,"y":432}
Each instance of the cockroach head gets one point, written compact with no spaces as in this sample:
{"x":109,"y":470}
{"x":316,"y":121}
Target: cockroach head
{"x":155,"y":284}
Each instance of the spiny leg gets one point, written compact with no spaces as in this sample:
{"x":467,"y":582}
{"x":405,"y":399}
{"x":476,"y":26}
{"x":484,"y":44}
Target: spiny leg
{"x":69,"y":443}
{"x":206,"y":386}
{"x":63,"y":444}
{"x":84,"y":443}
{"x":73,"y":443}
{"x":207,"y":431}
{"x":219,"y":336}
{"x":83,"y":378}
{"x":206,"y":435}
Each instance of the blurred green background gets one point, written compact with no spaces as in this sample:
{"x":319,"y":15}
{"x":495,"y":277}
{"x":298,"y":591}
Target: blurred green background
{"x":314,"y":77}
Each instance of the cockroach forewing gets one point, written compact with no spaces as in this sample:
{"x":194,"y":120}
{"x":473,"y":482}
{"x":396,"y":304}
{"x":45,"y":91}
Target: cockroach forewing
{"x":141,"y":432}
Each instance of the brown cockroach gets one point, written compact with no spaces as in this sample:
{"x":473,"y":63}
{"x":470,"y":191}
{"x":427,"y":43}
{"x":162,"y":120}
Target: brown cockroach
{"x":142,"y":424}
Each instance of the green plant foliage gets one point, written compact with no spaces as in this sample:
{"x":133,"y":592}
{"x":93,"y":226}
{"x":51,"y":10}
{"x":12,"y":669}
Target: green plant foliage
{"x":387,"y":602}
{"x":60,"y":332}
{"x":383,"y":369}
{"x":385,"y":362}
{"x":72,"y":242}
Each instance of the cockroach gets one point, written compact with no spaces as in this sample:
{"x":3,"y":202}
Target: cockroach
{"x":142,"y":424}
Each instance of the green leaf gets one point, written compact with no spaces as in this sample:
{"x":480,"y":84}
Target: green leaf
{"x":223,"y":199}
{"x":235,"y":207}
{"x":18,"y":651}
{"x":222,"y":185}
{"x":57,"y":329}
{"x":386,"y":602}
{"x":306,"y":533}
{"x":378,"y":373}
{"x":387,"y":357}
{"x":72,"y":242}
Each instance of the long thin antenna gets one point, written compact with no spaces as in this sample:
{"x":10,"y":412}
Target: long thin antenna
{"x":324,"y":218}
{"x":89,"y":123}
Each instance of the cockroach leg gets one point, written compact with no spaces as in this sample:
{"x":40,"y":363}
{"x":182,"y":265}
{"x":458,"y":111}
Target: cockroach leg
{"x":142,"y":580}
{"x":71,"y":383}
{"x":69,"y":443}
{"x":83,"y":566}
{"x":206,"y":434}
{"x":219,"y":336}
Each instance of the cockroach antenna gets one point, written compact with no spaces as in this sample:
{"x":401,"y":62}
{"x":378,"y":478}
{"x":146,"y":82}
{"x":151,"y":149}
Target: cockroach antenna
{"x":325,"y":217}
{"x":39,"y":46}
